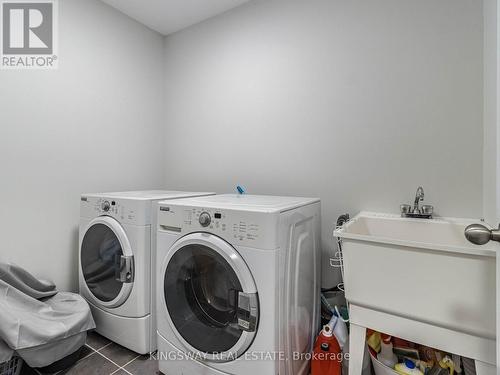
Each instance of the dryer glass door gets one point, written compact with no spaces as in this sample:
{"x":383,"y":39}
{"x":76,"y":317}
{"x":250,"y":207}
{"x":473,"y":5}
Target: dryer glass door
{"x":206,"y":301}
{"x":101,"y":258}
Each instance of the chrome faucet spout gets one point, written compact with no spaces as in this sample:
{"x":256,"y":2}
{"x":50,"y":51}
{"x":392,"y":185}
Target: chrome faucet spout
{"x":421,"y":212}
{"x":419,"y":196}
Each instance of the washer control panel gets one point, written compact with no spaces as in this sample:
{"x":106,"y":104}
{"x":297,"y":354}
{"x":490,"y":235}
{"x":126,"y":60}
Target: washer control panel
{"x":255,"y":229}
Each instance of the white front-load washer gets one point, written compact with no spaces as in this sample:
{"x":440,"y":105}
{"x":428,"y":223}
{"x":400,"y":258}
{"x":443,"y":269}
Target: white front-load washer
{"x":116,"y":269}
{"x":238,"y":284}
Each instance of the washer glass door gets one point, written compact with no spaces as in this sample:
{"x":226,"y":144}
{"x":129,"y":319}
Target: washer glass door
{"x":204,"y":295}
{"x":102,"y":261}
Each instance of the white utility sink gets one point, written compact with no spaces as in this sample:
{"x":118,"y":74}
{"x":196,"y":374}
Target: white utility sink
{"x":421,"y":280}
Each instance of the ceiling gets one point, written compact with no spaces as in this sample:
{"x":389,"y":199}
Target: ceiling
{"x":169,"y":16}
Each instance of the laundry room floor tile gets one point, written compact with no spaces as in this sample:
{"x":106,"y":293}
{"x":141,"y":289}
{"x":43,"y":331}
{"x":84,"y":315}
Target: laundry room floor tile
{"x":144,"y":365}
{"x":95,"y":364}
{"x":118,"y":354}
{"x":120,"y":371}
{"x":86,"y":351}
{"x":96,"y":341}
{"x":111,"y":358}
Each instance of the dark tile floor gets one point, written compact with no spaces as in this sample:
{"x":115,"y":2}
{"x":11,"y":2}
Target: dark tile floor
{"x":100,"y":356}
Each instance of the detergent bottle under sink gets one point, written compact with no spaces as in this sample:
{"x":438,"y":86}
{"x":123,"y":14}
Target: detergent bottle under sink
{"x":408,"y":367}
{"x":386,"y":355}
{"x":327,"y":352}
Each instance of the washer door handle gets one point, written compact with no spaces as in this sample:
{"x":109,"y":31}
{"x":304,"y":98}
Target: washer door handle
{"x":125,"y":270}
{"x":248,"y":311}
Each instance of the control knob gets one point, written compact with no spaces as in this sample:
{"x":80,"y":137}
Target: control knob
{"x":205,"y":219}
{"x":105,"y":206}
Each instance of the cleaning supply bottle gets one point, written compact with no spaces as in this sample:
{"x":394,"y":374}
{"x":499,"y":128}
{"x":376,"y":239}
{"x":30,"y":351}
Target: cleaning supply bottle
{"x":327,"y":355}
{"x":456,"y":361}
{"x":339,"y":328}
{"x":448,"y":364}
{"x":373,"y":340}
{"x":386,"y":355}
{"x":407,"y":368}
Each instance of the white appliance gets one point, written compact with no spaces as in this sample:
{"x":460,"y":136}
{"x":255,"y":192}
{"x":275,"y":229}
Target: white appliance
{"x":116,"y":275}
{"x":238,"y":284}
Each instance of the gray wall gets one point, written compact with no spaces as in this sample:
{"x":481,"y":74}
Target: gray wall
{"x":357,"y":102}
{"x":92,"y":125}
{"x":491,"y":162}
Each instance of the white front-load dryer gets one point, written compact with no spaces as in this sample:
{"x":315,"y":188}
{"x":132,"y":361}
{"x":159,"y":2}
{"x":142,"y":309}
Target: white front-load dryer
{"x":116,"y":271}
{"x":238,"y":284}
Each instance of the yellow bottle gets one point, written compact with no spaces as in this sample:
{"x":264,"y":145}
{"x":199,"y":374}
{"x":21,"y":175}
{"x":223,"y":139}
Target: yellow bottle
{"x":448,"y":364}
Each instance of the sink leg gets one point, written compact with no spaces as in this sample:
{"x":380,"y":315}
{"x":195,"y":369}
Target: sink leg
{"x":484,"y":368}
{"x":357,"y":344}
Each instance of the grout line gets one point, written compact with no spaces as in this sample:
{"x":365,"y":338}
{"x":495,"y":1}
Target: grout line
{"x":96,"y":350}
{"x":92,"y":351}
{"x":88,"y":355}
{"x":116,"y":364}
{"x":105,"y":346}
{"x":102,"y":355}
{"x":129,"y":362}
{"x":121,"y":368}
{"x":114,"y":372}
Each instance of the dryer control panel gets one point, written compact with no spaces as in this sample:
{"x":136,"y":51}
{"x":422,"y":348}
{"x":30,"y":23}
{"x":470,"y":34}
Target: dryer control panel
{"x":126,"y":211}
{"x":253,"y":229}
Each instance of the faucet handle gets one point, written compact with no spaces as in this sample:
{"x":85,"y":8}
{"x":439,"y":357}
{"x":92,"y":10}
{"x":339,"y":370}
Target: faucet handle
{"x":405,"y":209}
{"x":427,"y":209}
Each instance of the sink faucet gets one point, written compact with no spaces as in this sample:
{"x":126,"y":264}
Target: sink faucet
{"x":424,"y":212}
{"x":419,"y":196}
